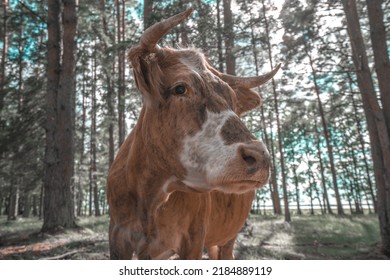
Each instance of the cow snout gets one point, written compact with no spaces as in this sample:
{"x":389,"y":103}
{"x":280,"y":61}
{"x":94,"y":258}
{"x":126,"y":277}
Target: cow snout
{"x":255,"y":156}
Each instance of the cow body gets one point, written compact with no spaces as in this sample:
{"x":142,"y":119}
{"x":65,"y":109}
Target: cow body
{"x":185,"y":177}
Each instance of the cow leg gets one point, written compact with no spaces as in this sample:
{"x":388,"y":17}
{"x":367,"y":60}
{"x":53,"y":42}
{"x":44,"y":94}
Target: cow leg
{"x":119,"y":242}
{"x":226,"y":251}
{"x":191,"y":250}
{"x":213,"y":252}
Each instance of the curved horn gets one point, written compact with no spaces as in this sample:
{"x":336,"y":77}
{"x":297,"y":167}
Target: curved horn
{"x":247,"y":82}
{"x":154,"y":33}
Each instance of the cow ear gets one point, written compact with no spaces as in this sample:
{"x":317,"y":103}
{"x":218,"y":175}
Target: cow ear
{"x":147,"y":74}
{"x":247,"y":100}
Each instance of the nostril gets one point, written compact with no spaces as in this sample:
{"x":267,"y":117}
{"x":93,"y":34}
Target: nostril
{"x":250,"y":161}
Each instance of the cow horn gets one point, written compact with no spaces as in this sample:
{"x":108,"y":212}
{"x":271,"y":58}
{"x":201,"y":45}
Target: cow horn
{"x":248,"y":82}
{"x":154,"y":33}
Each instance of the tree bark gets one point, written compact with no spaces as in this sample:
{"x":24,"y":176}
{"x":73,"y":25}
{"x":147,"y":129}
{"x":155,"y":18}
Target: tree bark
{"x":379,"y":136}
{"x":273,"y":182}
{"x":110,"y":92}
{"x":381,"y":56}
{"x":287,"y":215}
{"x":322,"y":169}
{"x":229,"y":38}
{"x":93,"y":169}
{"x":219,"y":37}
{"x":121,"y":71}
{"x":327,"y":136}
{"x":148,"y":7}
{"x":58,"y":209}
{"x":4,"y":38}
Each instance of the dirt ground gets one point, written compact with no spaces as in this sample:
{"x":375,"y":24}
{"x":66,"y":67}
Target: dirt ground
{"x":262,"y":238}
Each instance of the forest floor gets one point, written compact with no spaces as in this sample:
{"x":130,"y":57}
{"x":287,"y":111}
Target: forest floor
{"x":264,"y":237}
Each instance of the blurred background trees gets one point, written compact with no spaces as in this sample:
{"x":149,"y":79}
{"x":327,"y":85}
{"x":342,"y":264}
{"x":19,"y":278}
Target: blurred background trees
{"x":326,"y":130}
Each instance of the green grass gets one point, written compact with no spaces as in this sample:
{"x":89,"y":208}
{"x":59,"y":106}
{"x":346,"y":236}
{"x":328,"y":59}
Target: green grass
{"x":336,"y":237}
{"x":19,"y":225}
{"x":266,"y":237}
{"x":312,"y":237}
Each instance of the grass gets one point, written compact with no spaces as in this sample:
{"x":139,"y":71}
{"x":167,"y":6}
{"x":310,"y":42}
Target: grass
{"x":312,"y":237}
{"x":21,"y":239}
{"x":265,"y":237}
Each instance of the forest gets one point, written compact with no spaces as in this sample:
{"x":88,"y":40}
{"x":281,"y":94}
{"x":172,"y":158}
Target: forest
{"x":68,"y":100}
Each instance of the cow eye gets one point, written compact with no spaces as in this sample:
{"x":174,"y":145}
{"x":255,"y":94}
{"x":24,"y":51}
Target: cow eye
{"x":180,"y":89}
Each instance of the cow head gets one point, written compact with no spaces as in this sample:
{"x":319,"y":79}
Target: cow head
{"x":190,"y":120}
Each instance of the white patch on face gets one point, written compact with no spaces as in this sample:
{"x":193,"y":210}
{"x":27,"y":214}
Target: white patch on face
{"x":205,"y":155}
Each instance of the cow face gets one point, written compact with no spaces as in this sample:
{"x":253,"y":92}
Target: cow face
{"x":191,"y":118}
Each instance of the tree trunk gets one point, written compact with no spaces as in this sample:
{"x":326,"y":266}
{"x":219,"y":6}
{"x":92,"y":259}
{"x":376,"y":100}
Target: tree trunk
{"x":327,"y":136}
{"x":273,"y":183}
{"x":13,"y":204}
{"x":219,"y":37}
{"x":322,"y":169}
{"x":297,"y":196}
{"x":362,"y":144}
{"x":121,"y":69}
{"x":287,"y":215}
{"x":379,"y":136}
{"x":148,"y":7}
{"x":274,"y":187}
{"x":93,"y":169}
{"x":381,"y":56}
{"x":58,"y":209}
{"x":229,"y":38}
{"x":4,"y":38}
{"x":110,"y":92}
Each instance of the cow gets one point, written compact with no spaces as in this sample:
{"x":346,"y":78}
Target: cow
{"x":185,"y":177}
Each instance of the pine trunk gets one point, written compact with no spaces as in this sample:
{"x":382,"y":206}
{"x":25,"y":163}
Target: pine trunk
{"x":229,"y":38}
{"x":148,"y":7}
{"x":219,"y":37}
{"x":381,"y":56}
{"x":273,"y":183}
{"x":287,"y":215}
{"x":322,"y":169}
{"x":58,"y":209}
{"x":327,"y":136}
{"x":93,"y":169}
{"x":379,"y":136}
{"x":110,"y":90}
{"x":121,"y":71}
{"x":4,"y":39}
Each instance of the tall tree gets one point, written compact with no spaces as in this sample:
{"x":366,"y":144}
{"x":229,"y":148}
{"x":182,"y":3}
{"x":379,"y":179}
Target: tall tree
{"x":59,"y":158}
{"x":327,"y":135}
{"x":229,"y":37}
{"x":4,"y":39}
{"x":148,"y":6}
{"x":287,"y":215}
{"x":381,"y":55}
{"x":376,"y":122}
{"x":120,"y":8}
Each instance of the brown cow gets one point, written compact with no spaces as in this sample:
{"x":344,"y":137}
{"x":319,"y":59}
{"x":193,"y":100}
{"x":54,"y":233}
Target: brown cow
{"x":185,"y":177}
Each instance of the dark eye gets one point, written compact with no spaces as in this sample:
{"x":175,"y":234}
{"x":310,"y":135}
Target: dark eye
{"x":180,"y":89}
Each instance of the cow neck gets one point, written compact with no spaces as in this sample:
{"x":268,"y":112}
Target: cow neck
{"x":146,"y":173}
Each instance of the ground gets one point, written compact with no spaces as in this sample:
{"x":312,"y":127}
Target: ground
{"x":264,"y":237}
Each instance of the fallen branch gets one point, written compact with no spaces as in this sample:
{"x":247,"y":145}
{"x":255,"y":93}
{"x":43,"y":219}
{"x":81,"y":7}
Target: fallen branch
{"x":63,"y":255}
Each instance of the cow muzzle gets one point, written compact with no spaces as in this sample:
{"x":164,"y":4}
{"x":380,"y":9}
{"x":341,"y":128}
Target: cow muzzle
{"x":254,"y":157}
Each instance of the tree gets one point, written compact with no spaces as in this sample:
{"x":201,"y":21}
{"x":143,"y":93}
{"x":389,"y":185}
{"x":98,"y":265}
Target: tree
{"x":229,"y":38}
{"x":59,"y":158}
{"x":376,"y":121}
{"x":4,"y":39}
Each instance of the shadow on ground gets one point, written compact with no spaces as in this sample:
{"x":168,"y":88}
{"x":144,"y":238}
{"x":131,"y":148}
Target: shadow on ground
{"x":264,"y":237}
